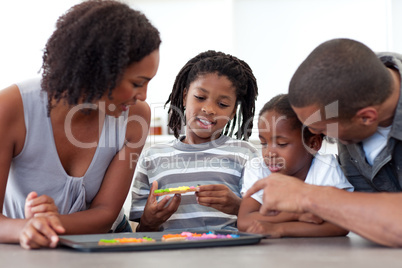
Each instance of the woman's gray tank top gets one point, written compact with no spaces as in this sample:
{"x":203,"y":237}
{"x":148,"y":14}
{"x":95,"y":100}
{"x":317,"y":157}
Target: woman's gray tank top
{"x":38,"y":167}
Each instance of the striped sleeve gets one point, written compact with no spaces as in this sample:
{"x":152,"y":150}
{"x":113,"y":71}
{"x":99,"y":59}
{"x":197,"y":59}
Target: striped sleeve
{"x":139,"y":191}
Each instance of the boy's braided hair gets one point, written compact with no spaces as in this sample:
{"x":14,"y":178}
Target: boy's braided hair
{"x":236,"y":70}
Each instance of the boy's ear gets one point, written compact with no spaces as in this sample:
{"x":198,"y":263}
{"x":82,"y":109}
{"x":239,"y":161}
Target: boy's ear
{"x":314,"y":143}
{"x":184,"y":96}
{"x":234,"y":112}
{"x":366,"y":116}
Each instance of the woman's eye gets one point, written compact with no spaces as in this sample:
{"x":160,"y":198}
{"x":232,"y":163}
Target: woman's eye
{"x":282,"y":144}
{"x":263,"y":144}
{"x":223,"y":105}
{"x":137,"y":85}
{"x":199,"y":97}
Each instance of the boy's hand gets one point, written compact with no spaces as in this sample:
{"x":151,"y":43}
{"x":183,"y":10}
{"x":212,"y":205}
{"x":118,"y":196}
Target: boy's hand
{"x":155,"y":214}
{"x":218,"y":196}
{"x":41,"y":232}
{"x":39,"y":206}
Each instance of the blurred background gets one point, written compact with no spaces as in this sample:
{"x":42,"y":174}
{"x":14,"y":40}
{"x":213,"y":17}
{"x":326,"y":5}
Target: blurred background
{"x":272,"y":36}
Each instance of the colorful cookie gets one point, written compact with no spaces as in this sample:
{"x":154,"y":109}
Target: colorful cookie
{"x":124,"y":240}
{"x":177,"y":190}
{"x":195,"y":236}
{"x":173,"y":237}
{"x":184,"y":236}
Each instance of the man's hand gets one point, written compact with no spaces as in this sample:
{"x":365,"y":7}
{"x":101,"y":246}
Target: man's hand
{"x":281,"y":193}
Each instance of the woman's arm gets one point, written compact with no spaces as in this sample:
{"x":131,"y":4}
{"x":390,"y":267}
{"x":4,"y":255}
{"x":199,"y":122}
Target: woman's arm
{"x":36,"y":232}
{"x":11,"y":117}
{"x":110,"y":198}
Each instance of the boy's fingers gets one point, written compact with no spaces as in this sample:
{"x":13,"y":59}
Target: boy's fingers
{"x":154,"y":186}
{"x":152,"y":197}
{"x":211,"y":187}
{"x":175,"y":202}
{"x":161,"y":204}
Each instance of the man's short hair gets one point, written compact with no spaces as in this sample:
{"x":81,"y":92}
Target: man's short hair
{"x":341,"y":70}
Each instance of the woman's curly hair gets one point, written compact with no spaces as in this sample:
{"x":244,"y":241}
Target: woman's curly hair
{"x":236,"y":70}
{"x":93,"y":44}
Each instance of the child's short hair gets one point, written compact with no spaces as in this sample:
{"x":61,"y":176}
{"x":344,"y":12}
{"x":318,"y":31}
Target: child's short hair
{"x":280,"y":104}
{"x":236,"y":70}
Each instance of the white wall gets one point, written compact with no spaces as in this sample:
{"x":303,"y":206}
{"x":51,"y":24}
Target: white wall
{"x":273,"y":36}
{"x":25,"y":26}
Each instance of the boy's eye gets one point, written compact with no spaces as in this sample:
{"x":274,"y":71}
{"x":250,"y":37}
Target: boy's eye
{"x":223,"y":105}
{"x":137,"y":85}
{"x":282,"y":144}
{"x":263,"y":144}
{"x":199,"y":97}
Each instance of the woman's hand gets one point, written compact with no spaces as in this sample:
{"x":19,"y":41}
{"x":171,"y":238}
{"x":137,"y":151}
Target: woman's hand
{"x":41,"y":232}
{"x":39,"y":206}
{"x":155,"y":214}
{"x":218,"y":196}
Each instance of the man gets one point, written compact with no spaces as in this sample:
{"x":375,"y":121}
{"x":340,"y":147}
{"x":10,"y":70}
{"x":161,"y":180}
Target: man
{"x":344,"y":90}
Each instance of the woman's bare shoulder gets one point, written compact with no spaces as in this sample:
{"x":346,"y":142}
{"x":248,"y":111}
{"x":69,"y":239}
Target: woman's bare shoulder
{"x":12,"y":124}
{"x":11,"y":106}
{"x":138,"y":121}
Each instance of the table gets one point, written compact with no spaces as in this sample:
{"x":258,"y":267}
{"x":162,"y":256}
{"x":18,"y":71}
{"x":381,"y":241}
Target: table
{"x":350,"y":251}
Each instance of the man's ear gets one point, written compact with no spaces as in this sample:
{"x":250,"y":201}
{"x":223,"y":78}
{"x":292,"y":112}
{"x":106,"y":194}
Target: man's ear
{"x":366,"y":116}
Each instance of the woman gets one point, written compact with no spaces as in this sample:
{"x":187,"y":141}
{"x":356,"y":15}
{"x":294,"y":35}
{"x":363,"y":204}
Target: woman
{"x":70,"y":141}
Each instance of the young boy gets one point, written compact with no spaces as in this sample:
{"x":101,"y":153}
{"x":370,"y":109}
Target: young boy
{"x":344,"y":90}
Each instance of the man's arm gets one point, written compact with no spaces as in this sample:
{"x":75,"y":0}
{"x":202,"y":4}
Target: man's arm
{"x":376,"y":216}
{"x":249,"y":213}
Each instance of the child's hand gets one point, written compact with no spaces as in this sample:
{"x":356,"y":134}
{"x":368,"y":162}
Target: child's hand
{"x":41,"y":232}
{"x":218,"y":196}
{"x":39,"y":206}
{"x":310,"y":218}
{"x":155,"y":214}
{"x":266,"y":228}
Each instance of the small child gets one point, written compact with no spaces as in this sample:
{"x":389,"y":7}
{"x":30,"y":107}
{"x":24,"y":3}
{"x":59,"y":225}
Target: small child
{"x":288,"y":150}
{"x":213,"y":93}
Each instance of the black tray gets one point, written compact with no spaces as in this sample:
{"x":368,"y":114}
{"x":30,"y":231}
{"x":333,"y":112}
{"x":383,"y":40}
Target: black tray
{"x":89,"y":243}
